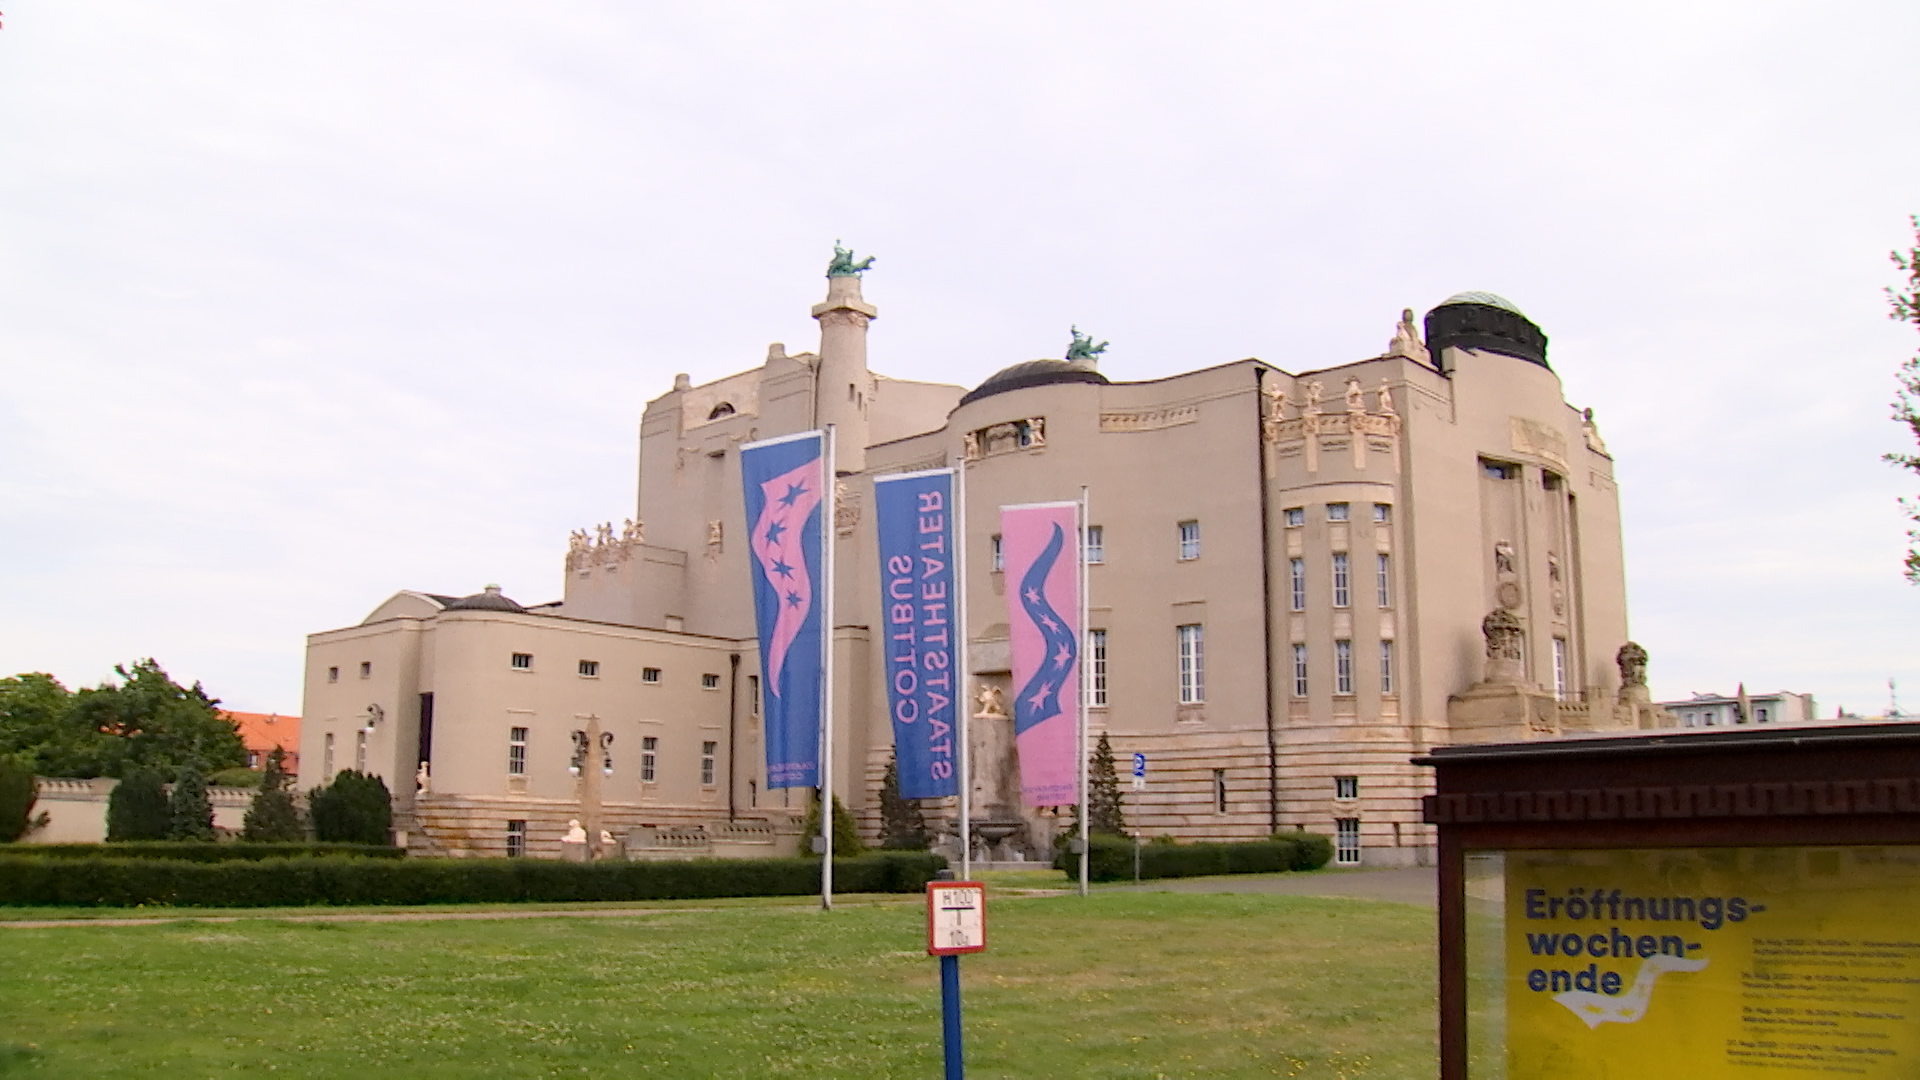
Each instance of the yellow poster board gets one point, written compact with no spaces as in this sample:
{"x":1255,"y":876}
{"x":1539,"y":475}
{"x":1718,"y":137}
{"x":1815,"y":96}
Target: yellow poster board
{"x":1775,"y":962}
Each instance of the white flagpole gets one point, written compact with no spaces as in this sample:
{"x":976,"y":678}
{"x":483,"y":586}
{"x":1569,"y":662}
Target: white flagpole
{"x":828,"y":511}
{"x":965,"y":700}
{"x":1086,"y":812}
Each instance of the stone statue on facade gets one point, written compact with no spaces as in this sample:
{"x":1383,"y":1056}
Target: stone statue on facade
{"x":1591,"y":432}
{"x":603,"y":534}
{"x":1503,"y":557}
{"x":1502,"y":630}
{"x":423,"y":780}
{"x":843,"y":264}
{"x":1386,"y":399}
{"x":1037,"y":431}
{"x":992,"y":704}
{"x":714,"y":533}
{"x":1083,"y":350}
{"x":1406,"y":339}
{"x":1632,"y":661}
{"x":634,"y":532}
{"x":575,"y":833}
{"x":1277,"y":400}
{"x":1356,"y":398}
{"x":1314,"y":393}
{"x":970,"y":446}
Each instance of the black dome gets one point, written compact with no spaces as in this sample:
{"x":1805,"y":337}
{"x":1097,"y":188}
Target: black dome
{"x":1033,"y":373}
{"x":487,"y":600}
{"x":1480,"y":320}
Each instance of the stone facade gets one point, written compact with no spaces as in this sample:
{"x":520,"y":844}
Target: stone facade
{"x":1337,"y":535}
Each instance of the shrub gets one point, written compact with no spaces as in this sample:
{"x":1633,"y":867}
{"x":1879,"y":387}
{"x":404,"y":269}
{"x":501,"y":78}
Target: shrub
{"x":195,"y":851}
{"x":1110,"y":858}
{"x":18,"y":792}
{"x":241,"y":777}
{"x":846,"y":832}
{"x":355,"y":809}
{"x":281,"y":882}
{"x":273,"y":818}
{"x":137,"y":809}
{"x":189,"y":810}
{"x":1315,"y":851}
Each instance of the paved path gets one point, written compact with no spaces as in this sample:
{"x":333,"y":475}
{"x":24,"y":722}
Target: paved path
{"x":1411,"y":885}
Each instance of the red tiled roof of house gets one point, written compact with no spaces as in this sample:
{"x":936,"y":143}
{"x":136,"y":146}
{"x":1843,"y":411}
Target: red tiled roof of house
{"x":262,"y":732}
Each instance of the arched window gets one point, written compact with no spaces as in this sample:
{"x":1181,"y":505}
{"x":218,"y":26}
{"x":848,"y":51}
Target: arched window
{"x":723,"y":409}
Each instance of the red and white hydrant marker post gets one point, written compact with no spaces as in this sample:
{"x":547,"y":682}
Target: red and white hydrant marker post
{"x":956,"y":923}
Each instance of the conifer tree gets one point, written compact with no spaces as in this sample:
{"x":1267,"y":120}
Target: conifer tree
{"x":846,"y":831}
{"x":901,"y":825}
{"x":1103,"y":792}
{"x":137,"y":809}
{"x":356,"y":808}
{"x":273,"y":817}
{"x":189,"y":809}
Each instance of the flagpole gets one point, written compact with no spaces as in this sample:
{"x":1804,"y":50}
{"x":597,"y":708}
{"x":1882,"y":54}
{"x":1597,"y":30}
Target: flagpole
{"x":960,"y":715}
{"x":1086,"y":812}
{"x":829,"y":499}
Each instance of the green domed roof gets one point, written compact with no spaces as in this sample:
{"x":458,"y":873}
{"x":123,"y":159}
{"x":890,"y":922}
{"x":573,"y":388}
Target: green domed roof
{"x":1487,"y":298}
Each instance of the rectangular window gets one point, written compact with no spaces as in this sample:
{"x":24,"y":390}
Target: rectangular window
{"x":650,"y":675}
{"x":1561,"y":683}
{"x":590,"y":668}
{"x":333,"y":674}
{"x":1386,"y":667}
{"x":1097,"y":668}
{"x":1193,"y":686}
{"x":1346,"y":841}
{"x":649,"y":749}
{"x":253,"y":759}
{"x":1499,"y":471}
{"x":516,"y":839}
{"x":366,"y":669}
{"x":1760,"y":714}
{"x":360,"y":750}
{"x":1299,"y":671}
{"x":1189,"y":540}
{"x":1336,"y":511}
{"x":523,"y":661}
{"x":517,"y":752}
{"x":1343,"y":667}
{"x":1296,"y":516}
{"x":1297,"y":570}
{"x":1220,"y":791}
{"x":707,"y":750}
{"x":709,"y":681}
{"x":753,"y":694}
{"x":1341,"y":592}
{"x":1382,"y":513}
{"x":1346,"y":787}
{"x":1096,"y":544}
{"x":1383,"y":580}
{"x":999,"y":557}
{"x":326,"y":759}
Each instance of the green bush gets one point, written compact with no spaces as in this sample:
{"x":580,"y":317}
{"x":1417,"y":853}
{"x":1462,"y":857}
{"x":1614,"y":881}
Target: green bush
{"x":356,"y":808}
{"x":197,"y":851}
{"x":273,"y":817}
{"x":846,"y":832}
{"x":1110,"y":858}
{"x":137,"y":809}
{"x":19,"y":790}
{"x":241,"y":777}
{"x":280,"y":882}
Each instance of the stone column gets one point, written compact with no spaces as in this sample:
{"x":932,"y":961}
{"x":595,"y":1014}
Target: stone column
{"x":845,"y":385}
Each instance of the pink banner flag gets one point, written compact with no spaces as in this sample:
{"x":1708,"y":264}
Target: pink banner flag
{"x":1040,"y":549}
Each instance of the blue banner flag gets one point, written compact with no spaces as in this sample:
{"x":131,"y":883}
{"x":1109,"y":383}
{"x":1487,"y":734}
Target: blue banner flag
{"x":785,"y":482}
{"x":922,"y":637}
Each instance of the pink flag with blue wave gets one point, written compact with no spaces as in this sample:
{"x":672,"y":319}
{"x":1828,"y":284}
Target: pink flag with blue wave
{"x":784,"y":481}
{"x":1040,"y":550}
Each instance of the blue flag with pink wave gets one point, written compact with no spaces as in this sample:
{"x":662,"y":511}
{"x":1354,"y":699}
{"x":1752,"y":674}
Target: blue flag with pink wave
{"x":785,"y":483}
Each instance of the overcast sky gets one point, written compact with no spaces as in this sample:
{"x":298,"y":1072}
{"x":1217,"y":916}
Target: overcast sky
{"x":304,"y":304}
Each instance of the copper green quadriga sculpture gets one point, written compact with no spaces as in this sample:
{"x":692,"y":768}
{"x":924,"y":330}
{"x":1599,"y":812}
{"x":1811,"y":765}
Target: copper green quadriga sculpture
{"x":1083,"y":347}
{"x":843,"y":264}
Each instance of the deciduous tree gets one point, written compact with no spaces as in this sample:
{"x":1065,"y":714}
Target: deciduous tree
{"x":18,"y":792}
{"x":1906,"y":403}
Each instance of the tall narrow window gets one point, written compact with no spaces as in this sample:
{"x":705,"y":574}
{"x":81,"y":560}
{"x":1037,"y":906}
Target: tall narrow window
{"x":1220,"y":791}
{"x":753,"y":694}
{"x":517,"y":752}
{"x":649,"y":750}
{"x":516,"y":839}
{"x":753,"y":794}
{"x":1096,"y":544}
{"x":1343,"y":667}
{"x":999,"y":557}
{"x":1382,"y":513}
{"x":1189,"y":540}
{"x":707,"y":751}
{"x":1340,"y":579}
{"x":366,"y":669}
{"x":326,"y":759}
{"x":333,"y":674}
{"x":1561,"y":685}
{"x":1382,"y":580}
{"x":1337,"y":511}
{"x":1097,"y":669}
{"x":1346,"y":841}
{"x":1297,"y":568}
{"x":360,"y":750}
{"x":1193,"y":685}
{"x":1346,"y":787}
{"x":1386,"y":667}
{"x":1299,"y":670}
{"x":1296,"y":516}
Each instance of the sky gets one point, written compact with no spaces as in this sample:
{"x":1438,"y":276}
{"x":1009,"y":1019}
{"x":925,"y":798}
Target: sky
{"x":301,"y":305}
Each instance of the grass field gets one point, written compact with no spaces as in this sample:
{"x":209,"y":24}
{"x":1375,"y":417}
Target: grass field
{"x":1114,"y":985}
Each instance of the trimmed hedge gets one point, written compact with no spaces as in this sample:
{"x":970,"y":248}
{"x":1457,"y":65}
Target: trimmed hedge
{"x":1110,"y":858}
{"x":201,"y":851}
{"x":30,"y":882}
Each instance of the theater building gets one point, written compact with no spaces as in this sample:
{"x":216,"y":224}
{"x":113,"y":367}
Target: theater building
{"x":1302,"y":576}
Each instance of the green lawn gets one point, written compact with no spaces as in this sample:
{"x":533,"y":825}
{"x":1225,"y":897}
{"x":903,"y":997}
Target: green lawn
{"x":1114,"y":985}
